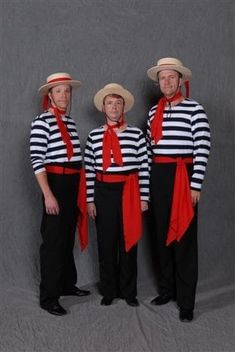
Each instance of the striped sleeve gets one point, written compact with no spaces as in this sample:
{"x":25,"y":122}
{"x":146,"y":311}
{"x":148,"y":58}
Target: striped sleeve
{"x":89,"y":169}
{"x":148,"y":139}
{"x":40,"y":132}
{"x":143,"y":168}
{"x":201,"y":142}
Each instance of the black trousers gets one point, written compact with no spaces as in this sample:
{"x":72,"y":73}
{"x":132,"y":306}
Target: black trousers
{"x":178,"y":262}
{"x":58,"y":270}
{"x":118,"y":268}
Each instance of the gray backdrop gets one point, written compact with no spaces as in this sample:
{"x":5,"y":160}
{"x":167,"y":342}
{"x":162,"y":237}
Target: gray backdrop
{"x":99,"y":42}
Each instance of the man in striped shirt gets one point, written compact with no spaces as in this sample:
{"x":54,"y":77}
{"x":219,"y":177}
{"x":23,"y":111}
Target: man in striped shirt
{"x":178,"y":139}
{"x":117,"y":174}
{"x":57,"y":162}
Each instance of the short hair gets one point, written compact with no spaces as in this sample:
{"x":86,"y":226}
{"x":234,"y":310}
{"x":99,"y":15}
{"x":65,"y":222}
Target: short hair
{"x":50,"y":90}
{"x":180,"y":74}
{"x":114,"y":96}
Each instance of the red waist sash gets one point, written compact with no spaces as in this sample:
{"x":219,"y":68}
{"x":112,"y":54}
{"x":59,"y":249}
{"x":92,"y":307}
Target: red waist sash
{"x":82,"y":222}
{"x":182,"y":210}
{"x":131,"y":207}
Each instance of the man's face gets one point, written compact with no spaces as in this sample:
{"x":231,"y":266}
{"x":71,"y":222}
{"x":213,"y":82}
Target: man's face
{"x":169,"y":82}
{"x":60,"y":96}
{"x":113,"y":108}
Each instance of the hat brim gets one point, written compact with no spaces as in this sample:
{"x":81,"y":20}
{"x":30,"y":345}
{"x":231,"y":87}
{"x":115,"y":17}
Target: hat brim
{"x":124,"y":93}
{"x":43,"y":90}
{"x":153,"y":71}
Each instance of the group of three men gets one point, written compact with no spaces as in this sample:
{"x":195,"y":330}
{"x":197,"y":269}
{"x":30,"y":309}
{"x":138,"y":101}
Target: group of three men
{"x":124,"y":173}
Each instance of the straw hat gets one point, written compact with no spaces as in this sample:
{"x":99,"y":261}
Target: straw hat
{"x":114,"y":88}
{"x":169,"y":63}
{"x":58,"y":78}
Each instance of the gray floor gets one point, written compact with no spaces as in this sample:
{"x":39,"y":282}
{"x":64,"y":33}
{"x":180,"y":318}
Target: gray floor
{"x":90,"y":327}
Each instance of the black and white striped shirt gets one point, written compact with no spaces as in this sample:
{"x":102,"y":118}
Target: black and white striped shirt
{"x":186,"y":133}
{"x":134,"y":154}
{"x":46,"y":144}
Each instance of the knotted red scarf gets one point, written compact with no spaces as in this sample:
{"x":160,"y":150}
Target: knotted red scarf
{"x":111,"y":145}
{"x":63,"y":130}
{"x":156,"y":125}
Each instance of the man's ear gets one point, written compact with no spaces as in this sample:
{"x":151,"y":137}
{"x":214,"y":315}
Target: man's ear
{"x":103,"y":108}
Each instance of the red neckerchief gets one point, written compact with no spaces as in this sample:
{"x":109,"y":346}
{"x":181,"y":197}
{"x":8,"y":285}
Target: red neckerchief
{"x":63,"y":131}
{"x":156,"y":125}
{"x":111,"y":145}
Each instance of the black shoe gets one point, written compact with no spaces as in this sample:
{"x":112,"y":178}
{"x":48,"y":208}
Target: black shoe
{"x":186,"y":315}
{"x":106,"y":301}
{"x":160,"y":300}
{"x":133,"y":302}
{"x":80,"y":293}
{"x":77,"y":292}
{"x":56,"y":309}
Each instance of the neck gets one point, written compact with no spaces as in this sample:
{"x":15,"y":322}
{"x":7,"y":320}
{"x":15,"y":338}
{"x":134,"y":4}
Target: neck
{"x":118,"y":123}
{"x":61,"y":111}
{"x":115,"y":126}
{"x":176,"y":98}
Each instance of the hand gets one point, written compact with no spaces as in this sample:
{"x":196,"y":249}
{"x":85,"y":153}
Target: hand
{"x":91,"y":209}
{"x":51,"y":205}
{"x":144,"y":205}
{"x":195,"y":195}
